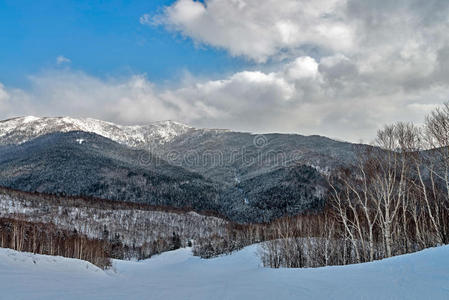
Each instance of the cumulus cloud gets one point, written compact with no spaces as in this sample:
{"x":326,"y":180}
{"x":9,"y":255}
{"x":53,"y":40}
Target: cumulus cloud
{"x":305,"y":96}
{"x":353,"y":64}
{"x":62,"y":60}
{"x":302,"y":67}
{"x":127,"y":100}
{"x":259,"y":29}
{"x":3,"y":94}
{"x":136,"y":100}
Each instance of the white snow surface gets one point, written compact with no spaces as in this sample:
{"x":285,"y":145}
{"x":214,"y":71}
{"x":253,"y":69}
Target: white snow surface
{"x":179,"y":275}
{"x":22,"y":129}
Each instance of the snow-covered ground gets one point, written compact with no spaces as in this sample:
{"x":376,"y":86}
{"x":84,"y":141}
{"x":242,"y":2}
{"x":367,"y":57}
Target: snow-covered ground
{"x":179,"y":275}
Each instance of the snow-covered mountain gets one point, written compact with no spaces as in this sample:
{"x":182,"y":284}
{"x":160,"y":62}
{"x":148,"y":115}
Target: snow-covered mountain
{"x":22,"y":129}
{"x":245,"y":176}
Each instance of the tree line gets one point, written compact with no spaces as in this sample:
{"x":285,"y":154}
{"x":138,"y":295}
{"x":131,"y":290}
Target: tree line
{"x":40,"y":238}
{"x":393,"y":199}
{"x":127,"y":230}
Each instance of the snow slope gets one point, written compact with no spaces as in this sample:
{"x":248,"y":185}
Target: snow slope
{"x":179,"y":275}
{"x":22,"y":129}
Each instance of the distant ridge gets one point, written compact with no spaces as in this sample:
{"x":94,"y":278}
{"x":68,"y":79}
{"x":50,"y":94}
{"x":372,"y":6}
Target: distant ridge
{"x":22,"y":129}
{"x":246,"y":177}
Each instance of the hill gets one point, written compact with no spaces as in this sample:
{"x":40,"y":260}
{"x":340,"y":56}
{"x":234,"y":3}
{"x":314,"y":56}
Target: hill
{"x":178,"y":275}
{"x":246,"y":177}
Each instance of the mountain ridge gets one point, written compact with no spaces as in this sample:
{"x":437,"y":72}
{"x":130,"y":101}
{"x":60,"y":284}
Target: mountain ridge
{"x":99,"y":167}
{"x":244,"y":176}
{"x":162,"y":131}
{"x":21,"y":129}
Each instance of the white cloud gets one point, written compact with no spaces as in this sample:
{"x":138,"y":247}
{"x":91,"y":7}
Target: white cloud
{"x":3,"y":94}
{"x":4,"y":97}
{"x":259,"y":29}
{"x":352,"y":65}
{"x":145,"y":19}
{"x":13,"y":102}
{"x":62,"y":60}
{"x":329,"y":97}
{"x":124,"y":100}
{"x":302,"y":67}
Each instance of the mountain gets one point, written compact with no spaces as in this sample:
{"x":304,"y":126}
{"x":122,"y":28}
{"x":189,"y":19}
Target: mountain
{"x":81,"y":163}
{"x":247,"y":177}
{"x":22,"y":129}
{"x":228,"y":156}
{"x":289,"y":190}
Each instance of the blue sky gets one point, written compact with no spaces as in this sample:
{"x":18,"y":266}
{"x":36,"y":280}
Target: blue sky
{"x":339,"y":68}
{"x":102,"y":38}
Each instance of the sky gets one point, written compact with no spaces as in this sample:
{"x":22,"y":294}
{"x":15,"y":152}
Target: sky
{"x":339,"y":68}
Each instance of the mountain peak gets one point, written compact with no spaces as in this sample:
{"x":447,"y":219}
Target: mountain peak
{"x":21,"y":129}
{"x":169,"y":123}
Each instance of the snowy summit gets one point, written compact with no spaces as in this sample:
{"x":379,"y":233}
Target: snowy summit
{"x":22,"y":129}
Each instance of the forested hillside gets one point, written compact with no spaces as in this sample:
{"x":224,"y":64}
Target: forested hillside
{"x":248,"y":178}
{"x":130,"y":230}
